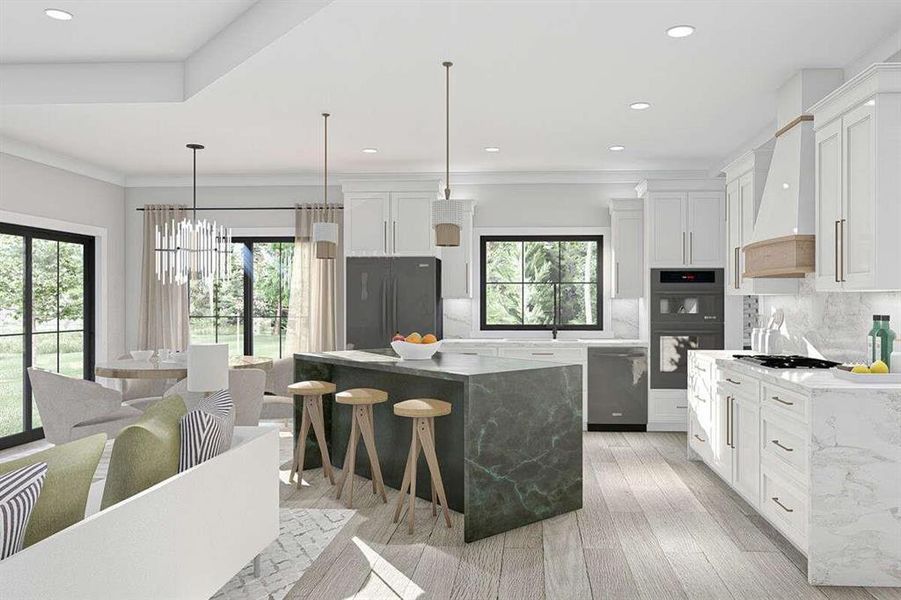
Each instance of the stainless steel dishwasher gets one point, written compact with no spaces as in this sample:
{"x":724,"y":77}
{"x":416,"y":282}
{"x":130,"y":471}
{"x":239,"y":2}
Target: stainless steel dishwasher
{"x":617,"y":389}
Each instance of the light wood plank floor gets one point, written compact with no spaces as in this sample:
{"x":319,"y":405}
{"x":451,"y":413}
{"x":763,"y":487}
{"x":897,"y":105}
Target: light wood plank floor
{"x":654,"y":525}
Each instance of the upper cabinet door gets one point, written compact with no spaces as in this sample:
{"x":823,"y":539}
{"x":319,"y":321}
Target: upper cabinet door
{"x":856,"y":231}
{"x":456,"y":264}
{"x":366,"y":218}
{"x":410,"y":229}
{"x":748,"y":215}
{"x":828,"y":177}
{"x":668,"y":245}
{"x":628,"y":253}
{"x":705,"y":229}
{"x":733,"y":237}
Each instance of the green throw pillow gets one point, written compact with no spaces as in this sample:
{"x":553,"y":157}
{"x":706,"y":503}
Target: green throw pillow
{"x":145,"y":452}
{"x":70,"y":469}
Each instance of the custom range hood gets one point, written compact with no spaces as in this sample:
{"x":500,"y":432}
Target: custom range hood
{"x":783,"y":241}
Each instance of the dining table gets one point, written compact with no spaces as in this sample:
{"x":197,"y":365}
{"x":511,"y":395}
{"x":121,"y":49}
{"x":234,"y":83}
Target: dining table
{"x":129,"y":368}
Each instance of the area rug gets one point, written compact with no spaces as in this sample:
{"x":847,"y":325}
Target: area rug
{"x":303,"y":535}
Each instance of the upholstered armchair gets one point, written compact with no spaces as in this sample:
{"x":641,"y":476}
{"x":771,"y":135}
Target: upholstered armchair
{"x":73,"y":408}
{"x":278,"y":403}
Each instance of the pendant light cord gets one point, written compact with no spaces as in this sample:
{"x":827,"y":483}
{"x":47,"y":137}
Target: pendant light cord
{"x":194,"y":148}
{"x":325,"y":117}
{"x":447,"y":66}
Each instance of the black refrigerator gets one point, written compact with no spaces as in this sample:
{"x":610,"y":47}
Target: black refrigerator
{"x":389,"y":295}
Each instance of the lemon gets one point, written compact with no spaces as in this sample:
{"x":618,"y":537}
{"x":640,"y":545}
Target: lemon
{"x":860,"y":369}
{"x":879,"y":367}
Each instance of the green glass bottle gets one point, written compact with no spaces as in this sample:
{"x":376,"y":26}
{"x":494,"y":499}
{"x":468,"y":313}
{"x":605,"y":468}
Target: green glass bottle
{"x":884,"y":341}
{"x":871,"y":339}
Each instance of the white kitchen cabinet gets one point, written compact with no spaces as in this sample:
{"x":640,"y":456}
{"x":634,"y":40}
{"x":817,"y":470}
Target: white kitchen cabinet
{"x":721,"y":435}
{"x":858,"y":183}
{"x":745,"y":180}
{"x":745,"y":434}
{"x":685,"y":228}
{"x":456,"y":262}
{"x":388,"y":219}
{"x":627,"y":232}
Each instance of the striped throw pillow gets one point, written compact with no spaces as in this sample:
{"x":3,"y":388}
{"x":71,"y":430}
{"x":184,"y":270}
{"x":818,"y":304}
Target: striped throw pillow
{"x":19,"y":491}
{"x":206,"y":431}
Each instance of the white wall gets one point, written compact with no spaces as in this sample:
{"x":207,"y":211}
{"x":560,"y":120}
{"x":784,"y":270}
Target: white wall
{"x":243,"y":222}
{"x":40,"y":196}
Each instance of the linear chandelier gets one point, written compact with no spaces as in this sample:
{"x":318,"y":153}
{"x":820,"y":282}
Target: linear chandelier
{"x":191,"y":248}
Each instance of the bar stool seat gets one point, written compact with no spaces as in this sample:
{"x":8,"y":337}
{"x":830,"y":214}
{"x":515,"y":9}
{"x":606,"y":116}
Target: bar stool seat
{"x":361,"y":424}
{"x":361,"y":396}
{"x":423,"y":412}
{"x":422,"y":407}
{"x":312,"y":388}
{"x":311,"y":416}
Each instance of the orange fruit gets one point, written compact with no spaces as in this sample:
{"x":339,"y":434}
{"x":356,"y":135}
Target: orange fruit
{"x":414,"y":338}
{"x":429,"y":338}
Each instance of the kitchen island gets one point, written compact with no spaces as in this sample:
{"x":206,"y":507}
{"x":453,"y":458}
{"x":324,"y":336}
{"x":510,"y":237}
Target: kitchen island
{"x":510,"y":452}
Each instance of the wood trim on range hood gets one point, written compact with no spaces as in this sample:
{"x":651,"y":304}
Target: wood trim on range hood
{"x":786,"y":256}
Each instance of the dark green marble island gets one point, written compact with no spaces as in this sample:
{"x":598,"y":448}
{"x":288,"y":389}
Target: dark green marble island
{"x":510,"y":452}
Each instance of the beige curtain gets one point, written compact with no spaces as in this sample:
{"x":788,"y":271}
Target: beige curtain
{"x":163,"y":317}
{"x":312,"y":310}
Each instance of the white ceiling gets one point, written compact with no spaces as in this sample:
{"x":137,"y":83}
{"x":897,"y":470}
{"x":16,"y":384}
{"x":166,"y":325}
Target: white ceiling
{"x":114,"y":30}
{"x":547,"y":82}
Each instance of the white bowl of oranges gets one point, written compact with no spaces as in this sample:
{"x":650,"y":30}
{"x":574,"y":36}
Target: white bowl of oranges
{"x":415,"y":346}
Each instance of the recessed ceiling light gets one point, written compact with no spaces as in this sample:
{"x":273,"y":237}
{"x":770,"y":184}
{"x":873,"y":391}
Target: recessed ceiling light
{"x":640,"y":105}
{"x":370,"y":150}
{"x":680,"y":31}
{"x":492,"y":149}
{"x":616,"y":148}
{"x":59,"y":15}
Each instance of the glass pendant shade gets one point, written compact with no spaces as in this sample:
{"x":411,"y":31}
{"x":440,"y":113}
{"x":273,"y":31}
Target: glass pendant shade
{"x":447,"y":217}
{"x":325,"y":239}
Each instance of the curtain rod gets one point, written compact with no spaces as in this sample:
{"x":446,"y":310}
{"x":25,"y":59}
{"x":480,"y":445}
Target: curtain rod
{"x":330,"y":206}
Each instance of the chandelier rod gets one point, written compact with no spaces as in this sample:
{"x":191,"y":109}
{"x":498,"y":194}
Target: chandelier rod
{"x":194,"y":148}
{"x":447,"y":66}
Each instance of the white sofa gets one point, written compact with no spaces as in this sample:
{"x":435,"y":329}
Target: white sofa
{"x":183,"y":538}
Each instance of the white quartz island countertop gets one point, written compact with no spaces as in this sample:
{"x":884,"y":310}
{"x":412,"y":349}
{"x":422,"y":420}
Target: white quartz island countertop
{"x":529,"y":342}
{"x":803,"y":380}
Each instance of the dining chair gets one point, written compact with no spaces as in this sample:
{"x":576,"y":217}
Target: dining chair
{"x":72,"y":408}
{"x":134,"y":389}
{"x":278,"y":403}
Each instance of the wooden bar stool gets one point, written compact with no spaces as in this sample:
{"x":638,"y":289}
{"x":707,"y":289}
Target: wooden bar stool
{"x":423,"y":412}
{"x":361,"y":399}
{"x":312,"y":392}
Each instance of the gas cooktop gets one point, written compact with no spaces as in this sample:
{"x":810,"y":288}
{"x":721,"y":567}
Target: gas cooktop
{"x":792,"y":361}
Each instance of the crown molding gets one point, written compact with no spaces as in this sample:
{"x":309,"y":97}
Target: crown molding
{"x":58,"y":160}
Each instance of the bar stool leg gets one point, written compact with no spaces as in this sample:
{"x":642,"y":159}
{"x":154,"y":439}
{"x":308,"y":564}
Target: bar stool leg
{"x":364,"y":416}
{"x":434,"y":497}
{"x":428,"y":448}
{"x":414,"y":458}
{"x":314,"y":406}
{"x":405,"y":484}
{"x":301,"y":446}
{"x":350,"y":460}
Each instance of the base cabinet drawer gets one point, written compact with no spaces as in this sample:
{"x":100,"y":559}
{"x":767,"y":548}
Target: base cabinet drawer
{"x":791,"y":402}
{"x":472,"y":351}
{"x":784,"y":504}
{"x":699,"y":436}
{"x":668,"y":405}
{"x":784,"y":441}
{"x":557,"y":355}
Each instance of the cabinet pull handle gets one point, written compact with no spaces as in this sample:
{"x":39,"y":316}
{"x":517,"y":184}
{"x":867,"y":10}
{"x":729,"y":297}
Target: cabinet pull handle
{"x":681,"y":406}
{"x":542,"y":354}
{"x":385,"y":236}
{"x":700,"y":368}
{"x":700,"y":439}
{"x":841,"y":248}
{"x":836,"y":253}
{"x":683,"y":246}
{"x":691,"y":246}
{"x":616,"y":279}
{"x":702,"y":399}
{"x":782,"y":506}
{"x":728,"y":421}
{"x":732,"y":421}
{"x":731,"y":381}
{"x":470,"y":353}
{"x":786,"y":448}
{"x":737,"y":284}
{"x":781,"y":401}
{"x":466,"y":277}
{"x":394,"y":234}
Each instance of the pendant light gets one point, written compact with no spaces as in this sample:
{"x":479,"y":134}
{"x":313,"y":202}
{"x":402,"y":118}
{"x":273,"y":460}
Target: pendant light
{"x":191,"y":247}
{"x":325,"y":235}
{"x":447,"y":214}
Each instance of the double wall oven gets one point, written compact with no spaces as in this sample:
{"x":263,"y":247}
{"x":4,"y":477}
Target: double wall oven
{"x":686,"y":314}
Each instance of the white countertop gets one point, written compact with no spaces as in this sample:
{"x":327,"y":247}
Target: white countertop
{"x":803,"y":379}
{"x":528,"y":343}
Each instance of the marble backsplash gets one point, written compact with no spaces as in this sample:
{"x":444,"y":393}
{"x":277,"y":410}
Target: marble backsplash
{"x":458,"y":318}
{"x":830,"y":325}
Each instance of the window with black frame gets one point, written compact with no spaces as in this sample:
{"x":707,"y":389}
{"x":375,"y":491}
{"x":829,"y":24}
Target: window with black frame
{"x":541,"y":282}
{"x":249,"y":309}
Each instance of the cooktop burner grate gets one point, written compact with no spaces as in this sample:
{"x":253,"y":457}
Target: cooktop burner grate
{"x":792,"y":361}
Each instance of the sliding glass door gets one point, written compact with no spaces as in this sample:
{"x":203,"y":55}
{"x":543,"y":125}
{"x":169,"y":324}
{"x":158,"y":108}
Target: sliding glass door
{"x":249,"y":311}
{"x":46,"y":318}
